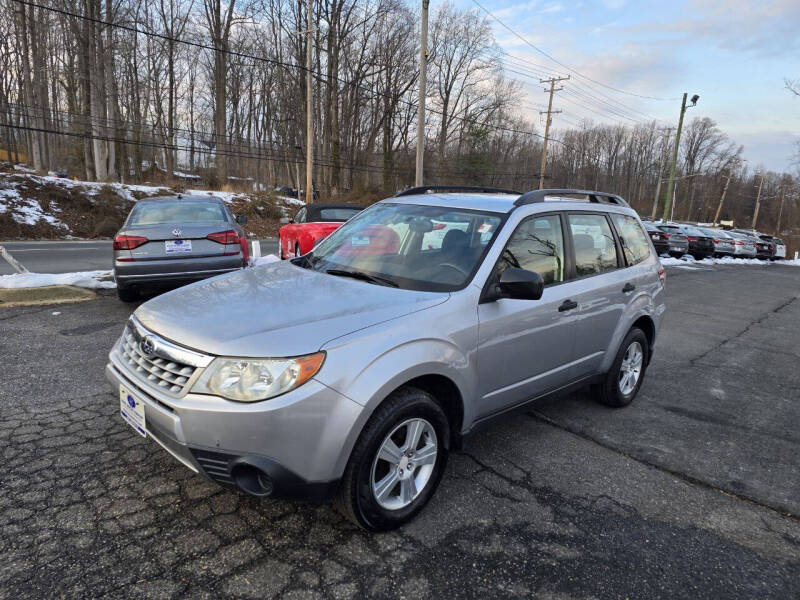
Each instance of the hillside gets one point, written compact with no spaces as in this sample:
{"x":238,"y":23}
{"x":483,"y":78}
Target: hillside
{"x":46,"y":207}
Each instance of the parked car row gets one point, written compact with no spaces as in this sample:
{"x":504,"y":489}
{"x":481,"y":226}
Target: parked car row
{"x":678,"y":239}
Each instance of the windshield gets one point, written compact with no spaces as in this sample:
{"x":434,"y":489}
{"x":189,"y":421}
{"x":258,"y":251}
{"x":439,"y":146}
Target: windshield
{"x":426,"y":248}
{"x":179,"y":211}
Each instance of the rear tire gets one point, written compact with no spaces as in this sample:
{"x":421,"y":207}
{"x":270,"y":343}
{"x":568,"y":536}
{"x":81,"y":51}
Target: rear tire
{"x":623,"y":380}
{"x":379,"y":493}
{"x":127,"y":294}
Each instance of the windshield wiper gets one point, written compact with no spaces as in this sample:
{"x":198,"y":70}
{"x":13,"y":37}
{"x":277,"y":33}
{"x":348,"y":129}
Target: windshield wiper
{"x":362,"y":276}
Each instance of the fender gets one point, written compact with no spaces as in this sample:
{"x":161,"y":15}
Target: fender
{"x":396,"y":367}
{"x":397,"y":356}
{"x":641,"y":305}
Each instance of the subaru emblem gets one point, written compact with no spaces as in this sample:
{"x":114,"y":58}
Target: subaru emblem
{"x":176,"y":232}
{"x":147,"y":346}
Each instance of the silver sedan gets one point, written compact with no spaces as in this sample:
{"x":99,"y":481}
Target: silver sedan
{"x":175,"y":240}
{"x":723,"y":243}
{"x":744,"y":246}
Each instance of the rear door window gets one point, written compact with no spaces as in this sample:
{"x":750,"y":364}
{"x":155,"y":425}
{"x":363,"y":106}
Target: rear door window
{"x":634,"y":241}
{"x":595,"y":249}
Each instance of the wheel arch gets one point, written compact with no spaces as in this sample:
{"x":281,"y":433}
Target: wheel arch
{"x":648,"y":326}
{"x":446,"y":394}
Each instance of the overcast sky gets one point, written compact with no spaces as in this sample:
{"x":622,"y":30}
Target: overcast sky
{"x":735,"y":54}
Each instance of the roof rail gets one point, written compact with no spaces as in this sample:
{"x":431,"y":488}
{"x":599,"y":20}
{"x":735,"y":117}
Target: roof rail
{"x":598,"y":197}
{"x":479,"y":189}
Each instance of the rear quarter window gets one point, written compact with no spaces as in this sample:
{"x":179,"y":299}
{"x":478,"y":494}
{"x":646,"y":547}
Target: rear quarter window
{"x":635,"y":244}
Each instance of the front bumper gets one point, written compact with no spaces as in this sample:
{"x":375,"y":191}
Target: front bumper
{"x":299,"y":439}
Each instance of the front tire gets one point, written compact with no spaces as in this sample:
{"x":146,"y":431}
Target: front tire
{"x":397,"y":462}
{"x":623,"y":380}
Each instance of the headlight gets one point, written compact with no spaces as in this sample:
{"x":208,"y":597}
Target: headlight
{"x":253,"y":379}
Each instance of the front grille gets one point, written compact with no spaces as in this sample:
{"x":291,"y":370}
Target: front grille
{"x":169,"y":375}
{"x":215,"y":464}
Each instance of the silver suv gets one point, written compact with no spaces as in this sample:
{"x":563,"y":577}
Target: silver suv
{"x":353,"y":370}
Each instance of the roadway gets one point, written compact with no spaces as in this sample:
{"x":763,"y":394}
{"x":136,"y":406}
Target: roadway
{"x":75,"y":255}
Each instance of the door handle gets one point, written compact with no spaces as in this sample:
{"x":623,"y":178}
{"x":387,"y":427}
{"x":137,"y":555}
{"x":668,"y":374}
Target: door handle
{"x":629,"y":287}
{"x":567,"y":305}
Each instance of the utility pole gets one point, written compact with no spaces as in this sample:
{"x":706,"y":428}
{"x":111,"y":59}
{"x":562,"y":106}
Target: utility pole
{"x":758,"y":202}
{"x":309,"y":108}
{"x":672,"y":210}
{"x":780,"y":212}
{"x":671,"y":182}
{"x":552,"y":81}
{"x":722,"y":198}
{"x":423,"y":69}
{"x":664,"y":148}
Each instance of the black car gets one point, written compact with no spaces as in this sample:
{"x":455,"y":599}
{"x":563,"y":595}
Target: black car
{"x":659,"y":238}
{"x":700,"y":244}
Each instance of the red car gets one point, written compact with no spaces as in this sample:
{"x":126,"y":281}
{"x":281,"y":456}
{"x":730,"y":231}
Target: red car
{"x":312,"y":223}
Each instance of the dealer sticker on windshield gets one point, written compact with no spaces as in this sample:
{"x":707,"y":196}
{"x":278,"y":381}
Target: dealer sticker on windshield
{"x":132,"y":410}
{"x":359,"y":240}
{"x":177,"y":246}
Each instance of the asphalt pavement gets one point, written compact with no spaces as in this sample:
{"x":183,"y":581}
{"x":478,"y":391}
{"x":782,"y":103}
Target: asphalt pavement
{"x":75,"y":255}
{"x":693,"y":491}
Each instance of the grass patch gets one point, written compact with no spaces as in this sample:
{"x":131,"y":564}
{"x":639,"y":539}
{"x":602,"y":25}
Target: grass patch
{"x":54,"y":294}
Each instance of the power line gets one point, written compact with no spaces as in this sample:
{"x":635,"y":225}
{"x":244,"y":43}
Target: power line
{"x":275,"y":62}
{"x":558,"y":62}
{"x":325,"y":162}
{"x":578,"y":89}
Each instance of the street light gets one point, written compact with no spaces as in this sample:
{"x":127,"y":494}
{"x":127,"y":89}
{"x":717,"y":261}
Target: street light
{"x":671,"y":185}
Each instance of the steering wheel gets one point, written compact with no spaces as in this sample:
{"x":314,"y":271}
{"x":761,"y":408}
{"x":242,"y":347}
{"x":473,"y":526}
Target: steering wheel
{"x":456,"y":267}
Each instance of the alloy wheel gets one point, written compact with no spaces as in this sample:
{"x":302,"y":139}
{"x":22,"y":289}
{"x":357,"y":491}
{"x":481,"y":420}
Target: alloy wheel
{"x":404,"y":464}
{"x":631,"y":368}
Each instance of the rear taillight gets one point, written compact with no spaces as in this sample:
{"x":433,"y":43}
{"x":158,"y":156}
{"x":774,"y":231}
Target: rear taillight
{"x":662,"y":275}
{"x":224,"y":237}
{"x":691,"y":239}
{"x":738,"y":243}
{"x":129,"y":242}
{"x":666,"y":236}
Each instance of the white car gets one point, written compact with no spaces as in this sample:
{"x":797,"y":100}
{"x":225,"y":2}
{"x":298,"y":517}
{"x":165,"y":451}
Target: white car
{"x":780,"y":248}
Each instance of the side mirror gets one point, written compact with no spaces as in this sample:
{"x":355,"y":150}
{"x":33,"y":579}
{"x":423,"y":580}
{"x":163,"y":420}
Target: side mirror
{"x":241,"y":219}
{"x":520,"y":284}
{"x":285,"y":220}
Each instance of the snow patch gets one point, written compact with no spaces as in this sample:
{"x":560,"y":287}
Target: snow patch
{"x":29,"y":212}
{"x":265,"y":260}
{"x":688,"y":262}
{"x":224,"y":196}
{"x":84,"y":279}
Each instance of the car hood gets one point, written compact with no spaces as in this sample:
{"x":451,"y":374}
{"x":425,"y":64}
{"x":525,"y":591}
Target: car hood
{"x":277,"y":309}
